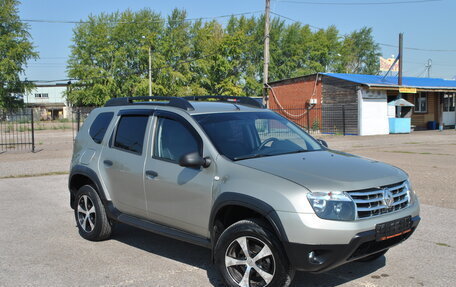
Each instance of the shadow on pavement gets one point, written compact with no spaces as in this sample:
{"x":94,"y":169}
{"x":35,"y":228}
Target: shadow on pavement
{"x":200,"y":257}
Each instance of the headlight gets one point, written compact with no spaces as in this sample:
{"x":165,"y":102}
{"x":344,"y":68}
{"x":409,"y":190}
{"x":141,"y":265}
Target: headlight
{"x":332,"y":205}
{"x":411,"y":193}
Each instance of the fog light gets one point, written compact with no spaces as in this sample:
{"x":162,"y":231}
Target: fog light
{"x":314,"y":259}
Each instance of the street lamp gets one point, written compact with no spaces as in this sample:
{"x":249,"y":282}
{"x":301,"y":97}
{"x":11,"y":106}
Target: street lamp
{"x":150,"y":68}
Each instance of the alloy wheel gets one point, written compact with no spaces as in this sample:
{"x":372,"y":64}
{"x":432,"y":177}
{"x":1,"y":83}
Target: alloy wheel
{"x":250,"y":262}
{"x":86,"y":213}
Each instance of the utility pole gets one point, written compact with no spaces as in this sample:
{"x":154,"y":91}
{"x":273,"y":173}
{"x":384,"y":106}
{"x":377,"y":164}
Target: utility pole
{"x":266,"y":52}
{"x":428,"y":67}
{"x":401,"y":58}
{"x":150,"y":71}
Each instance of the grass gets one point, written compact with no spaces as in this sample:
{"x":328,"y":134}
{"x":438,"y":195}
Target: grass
{"x":35,"y":175}
{"x":442,"y":244}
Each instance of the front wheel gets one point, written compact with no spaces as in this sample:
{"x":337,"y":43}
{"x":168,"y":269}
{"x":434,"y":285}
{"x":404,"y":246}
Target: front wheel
{"x":249,"y":255}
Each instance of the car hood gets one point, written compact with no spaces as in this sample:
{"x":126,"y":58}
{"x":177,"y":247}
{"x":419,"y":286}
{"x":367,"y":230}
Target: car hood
{"x":328,"y":170}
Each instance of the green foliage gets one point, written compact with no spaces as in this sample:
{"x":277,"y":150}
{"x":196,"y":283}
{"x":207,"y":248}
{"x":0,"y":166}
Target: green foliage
{"x":110,"y":55}
{"x":359,"y":53}
{"x":15,"y":50}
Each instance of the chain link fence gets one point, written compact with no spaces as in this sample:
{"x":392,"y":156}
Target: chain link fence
{"x":328,"y":119}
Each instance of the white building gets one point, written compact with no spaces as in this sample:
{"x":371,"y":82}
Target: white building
{"x":49,"y":101}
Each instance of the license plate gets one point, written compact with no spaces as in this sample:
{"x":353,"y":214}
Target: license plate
{"x":393,"y":228}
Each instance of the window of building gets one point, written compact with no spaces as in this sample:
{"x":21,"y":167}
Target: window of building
{"x":174,"y":140}
{"x":42,"y":95}
{"x":449,"y":102}
{"x":130,"y":133}
{"x":99,"y":126}
{"x":421,"y":103}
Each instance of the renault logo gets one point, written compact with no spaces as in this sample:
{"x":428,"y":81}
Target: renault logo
{"x":388,"y":198}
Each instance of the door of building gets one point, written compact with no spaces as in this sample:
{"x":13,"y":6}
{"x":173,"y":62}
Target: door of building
{"x":449,"y":113}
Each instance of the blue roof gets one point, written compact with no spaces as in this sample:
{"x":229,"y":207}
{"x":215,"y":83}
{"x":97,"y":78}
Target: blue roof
{"x":373,"y":80}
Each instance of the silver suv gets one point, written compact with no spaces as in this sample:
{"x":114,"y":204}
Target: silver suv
{"x":226,"y":174}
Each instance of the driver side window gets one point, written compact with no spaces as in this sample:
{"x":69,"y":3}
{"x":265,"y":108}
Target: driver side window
{"x":174,"y":140}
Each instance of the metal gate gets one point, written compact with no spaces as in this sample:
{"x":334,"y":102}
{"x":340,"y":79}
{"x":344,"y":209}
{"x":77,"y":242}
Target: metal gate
{"x":17,"y":130}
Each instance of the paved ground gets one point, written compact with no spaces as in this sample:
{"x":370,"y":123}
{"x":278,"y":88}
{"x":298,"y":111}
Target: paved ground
{"x":53,"y":154}
{"x":40,"y":246}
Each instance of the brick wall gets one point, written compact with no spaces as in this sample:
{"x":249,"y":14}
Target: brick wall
{"x":294,"y":93}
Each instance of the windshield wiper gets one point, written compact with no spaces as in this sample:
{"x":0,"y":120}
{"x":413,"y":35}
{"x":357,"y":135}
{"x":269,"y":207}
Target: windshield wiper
{"x":249,"y":156}
{"x":296,"y":151}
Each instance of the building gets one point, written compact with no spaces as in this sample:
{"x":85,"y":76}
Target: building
{"x":364,"y":100}
{"x":48,"y":101}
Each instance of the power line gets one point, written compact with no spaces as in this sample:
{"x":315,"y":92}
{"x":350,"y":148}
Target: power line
{"x":382,"y":44}
{"x":189,"y":60}
{"x":293,"y":20}
{"x":137,"y":22}
{"x":418,"y":49}
{"x":358,"y":3}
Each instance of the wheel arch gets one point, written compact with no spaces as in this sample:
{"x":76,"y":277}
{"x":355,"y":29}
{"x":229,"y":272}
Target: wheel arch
{"x":80,"y":176}
{"x":229,"y":203}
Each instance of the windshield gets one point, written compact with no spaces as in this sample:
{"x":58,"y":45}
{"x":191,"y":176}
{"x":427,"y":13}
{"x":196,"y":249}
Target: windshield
{"x":255,"y":134}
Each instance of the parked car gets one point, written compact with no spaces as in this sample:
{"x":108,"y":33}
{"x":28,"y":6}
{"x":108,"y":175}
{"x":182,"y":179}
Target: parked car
{"x":229,"y":175}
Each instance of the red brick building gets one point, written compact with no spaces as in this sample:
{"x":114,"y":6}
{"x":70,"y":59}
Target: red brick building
{"x":357,"y":104}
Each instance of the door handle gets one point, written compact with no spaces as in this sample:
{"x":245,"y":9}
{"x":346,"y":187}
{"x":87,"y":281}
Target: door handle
{"x":108,"y":162}
{"x":150,"y":174}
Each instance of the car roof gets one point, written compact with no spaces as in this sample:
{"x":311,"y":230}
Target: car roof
{"x":190,"y":105}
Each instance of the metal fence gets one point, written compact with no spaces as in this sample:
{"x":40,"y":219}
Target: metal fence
{"x":17,"y":130}
{"x":78,"y":116}
{"x":327,"y":119}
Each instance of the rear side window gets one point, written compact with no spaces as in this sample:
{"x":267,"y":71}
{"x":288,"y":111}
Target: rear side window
{"x":99,"y":126}
{"x":130,"y":133}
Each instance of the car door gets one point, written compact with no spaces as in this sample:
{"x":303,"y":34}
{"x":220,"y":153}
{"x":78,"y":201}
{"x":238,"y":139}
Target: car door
{"x":177,"y":196}
{"x":122,"y":162}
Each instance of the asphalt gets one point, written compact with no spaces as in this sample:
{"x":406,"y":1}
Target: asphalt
{"x":40,"y":246}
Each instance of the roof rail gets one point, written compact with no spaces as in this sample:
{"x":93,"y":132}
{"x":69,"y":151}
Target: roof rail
{"x":172,"y":101}
{"x":246,"y":101}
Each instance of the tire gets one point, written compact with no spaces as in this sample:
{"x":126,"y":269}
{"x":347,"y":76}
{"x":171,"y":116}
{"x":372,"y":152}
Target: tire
{"x":372,"y":257}
{"x":90,"y":215}
{"x":271,"y":268}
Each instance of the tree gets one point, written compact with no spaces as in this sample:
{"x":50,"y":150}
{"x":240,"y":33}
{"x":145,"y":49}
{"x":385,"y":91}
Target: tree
{"x":110,"y":55}
{"x":15,"y":50}
{"x":359,"y":53}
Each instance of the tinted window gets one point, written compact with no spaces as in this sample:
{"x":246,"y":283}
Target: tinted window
{"x":130,"y":133}
{"x":99,"y":126}
{"x":173,"y":140}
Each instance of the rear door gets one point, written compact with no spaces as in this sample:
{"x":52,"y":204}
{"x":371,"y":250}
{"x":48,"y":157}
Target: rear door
{"x":177,"y":196}
{"x":122,"y":162}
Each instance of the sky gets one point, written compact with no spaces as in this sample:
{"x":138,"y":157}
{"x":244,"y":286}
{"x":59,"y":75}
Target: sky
{"x":426,"y":26}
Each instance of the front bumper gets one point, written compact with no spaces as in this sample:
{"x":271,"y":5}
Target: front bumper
{"x":326,"y":257}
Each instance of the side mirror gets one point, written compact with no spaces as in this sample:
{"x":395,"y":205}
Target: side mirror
{"x":323,"y":143}
{"x":194,"y":160}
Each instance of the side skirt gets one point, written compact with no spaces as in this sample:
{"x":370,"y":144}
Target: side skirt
{"x":157,"y":228}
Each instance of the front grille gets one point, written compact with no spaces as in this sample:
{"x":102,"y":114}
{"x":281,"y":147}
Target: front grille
{"x":373,"y":202}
